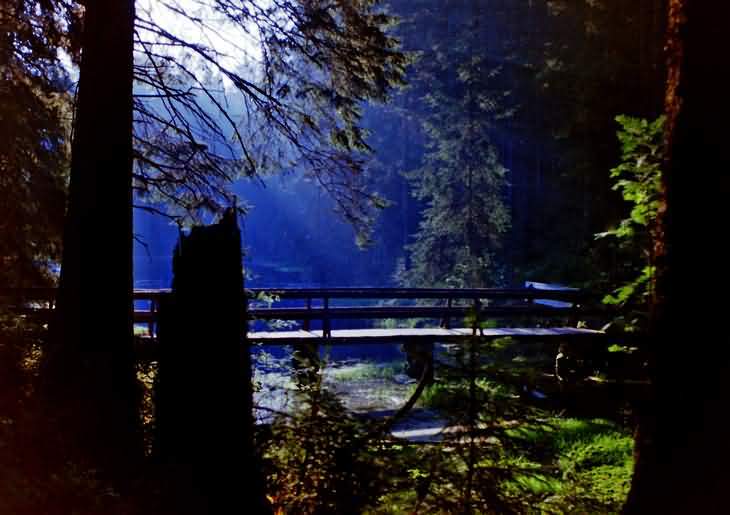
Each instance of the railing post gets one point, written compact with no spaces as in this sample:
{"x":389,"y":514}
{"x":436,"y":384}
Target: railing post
{"x":153,"y":316}
{"x":446,"y":322}
{"x":477,"y":317}
{"x":326,"y":326}
{"x":574,"y":313}
{"x":307,"y":321}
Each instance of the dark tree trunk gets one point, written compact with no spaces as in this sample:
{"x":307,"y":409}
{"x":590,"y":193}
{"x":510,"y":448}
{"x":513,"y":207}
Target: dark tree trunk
{"x":90,"y":367}
{"x":203,"y":396}
{"x":682,"y":445}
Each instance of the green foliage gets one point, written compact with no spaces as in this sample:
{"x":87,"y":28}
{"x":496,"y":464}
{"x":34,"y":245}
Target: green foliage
{"x":438,"y":396}
{"x":319,"y":461}
{"x":570,"y":432}
{"x":639,"y":287}
{"x":499,"y":455}
{"x":638,"y":178}
{"x":602,"y":450}
{"x":446,"y":396}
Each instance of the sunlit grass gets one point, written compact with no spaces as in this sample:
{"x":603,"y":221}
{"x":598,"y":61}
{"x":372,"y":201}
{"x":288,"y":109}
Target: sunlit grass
{"x":367,"y":370}
{"x":591,"y":460}
{"x":444,"y":396}
{"x":141,"y":330}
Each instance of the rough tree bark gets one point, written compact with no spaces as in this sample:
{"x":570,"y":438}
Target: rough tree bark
{"x":682,"y":447}
{"x":90,"y":368}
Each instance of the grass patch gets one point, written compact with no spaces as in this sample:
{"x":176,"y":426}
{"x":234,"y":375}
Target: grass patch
{"x":592,"y":462}
{"x":141,"y":330}
{"x":536,"y":484}
{"x":551,"y":464}
{"x":367,"y":370}
{"x":446,"y":396}
{"x":528,"y":457}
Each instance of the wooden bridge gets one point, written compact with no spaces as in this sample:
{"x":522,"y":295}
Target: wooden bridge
{"x":443,"y":314}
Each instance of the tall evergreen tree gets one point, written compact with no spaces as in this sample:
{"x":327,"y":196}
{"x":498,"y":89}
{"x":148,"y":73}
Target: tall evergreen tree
{"x":462,"y":181}
{"x":552,"y":126}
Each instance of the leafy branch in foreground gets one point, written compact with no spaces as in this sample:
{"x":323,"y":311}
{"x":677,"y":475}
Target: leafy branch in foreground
{"x":638,"y":178}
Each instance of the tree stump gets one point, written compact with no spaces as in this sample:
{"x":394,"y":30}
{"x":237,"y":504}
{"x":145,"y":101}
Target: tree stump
{"x":204,"y":401}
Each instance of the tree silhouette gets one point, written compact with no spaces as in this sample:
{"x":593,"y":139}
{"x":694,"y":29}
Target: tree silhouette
{"x":34,"y":116}
{"x":90,"y":368}
{"x":319,"y":61}
{"x":682,"y":449}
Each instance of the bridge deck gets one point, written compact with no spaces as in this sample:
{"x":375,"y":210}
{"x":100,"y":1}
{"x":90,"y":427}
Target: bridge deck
{"x":399,"y":334}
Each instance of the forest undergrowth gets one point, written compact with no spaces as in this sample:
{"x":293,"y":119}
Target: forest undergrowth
{"x":510,"y":443}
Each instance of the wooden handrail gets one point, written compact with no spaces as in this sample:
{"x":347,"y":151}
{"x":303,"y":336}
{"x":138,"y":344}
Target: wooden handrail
{"x":348,"y":293}
{"x":420,"y":293}
{"x":440,"y":312}
{"x":510,"y":303}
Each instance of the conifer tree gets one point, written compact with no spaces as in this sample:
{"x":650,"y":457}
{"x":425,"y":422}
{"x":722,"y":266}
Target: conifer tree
{"x":462,"y":180}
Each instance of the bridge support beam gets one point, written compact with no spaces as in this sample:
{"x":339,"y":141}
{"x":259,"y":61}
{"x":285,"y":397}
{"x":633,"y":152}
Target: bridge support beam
{"x":419,"y":359}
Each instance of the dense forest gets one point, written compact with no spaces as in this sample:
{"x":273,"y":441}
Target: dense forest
{"x":158,"y":156}
{"x":549,"y":137}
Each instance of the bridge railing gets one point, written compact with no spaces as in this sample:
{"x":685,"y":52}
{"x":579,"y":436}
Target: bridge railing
{"x":318,"y":304}
{"x":474,"y":304}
